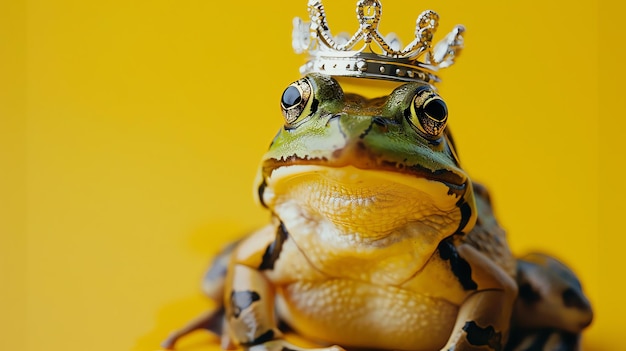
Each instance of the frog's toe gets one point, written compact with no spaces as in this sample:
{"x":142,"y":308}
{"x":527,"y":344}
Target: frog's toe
{"x":210,"y":320}
{"x":282,"y":345}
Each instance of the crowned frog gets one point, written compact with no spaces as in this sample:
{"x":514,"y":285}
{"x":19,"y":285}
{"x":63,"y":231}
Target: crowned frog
{"x":380,"y":240}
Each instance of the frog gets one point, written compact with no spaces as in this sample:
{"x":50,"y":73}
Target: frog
{"x":379,"y":239}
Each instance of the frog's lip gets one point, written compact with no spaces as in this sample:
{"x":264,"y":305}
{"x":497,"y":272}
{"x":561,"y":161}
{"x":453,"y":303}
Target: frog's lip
{"x":456,"y":183}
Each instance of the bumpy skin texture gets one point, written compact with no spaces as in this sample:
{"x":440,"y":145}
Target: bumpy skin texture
{"x":379,"y":240}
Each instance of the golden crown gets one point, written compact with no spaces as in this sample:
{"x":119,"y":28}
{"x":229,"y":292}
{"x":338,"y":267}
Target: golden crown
{"x":376,"y":57}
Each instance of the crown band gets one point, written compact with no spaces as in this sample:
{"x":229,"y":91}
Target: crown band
{"x":377,"y":57}
{"x":370,"y":66}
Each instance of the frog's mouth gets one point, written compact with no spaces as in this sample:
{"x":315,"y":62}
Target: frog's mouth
{"x":359,"y":159}
{"x":370,"y":202}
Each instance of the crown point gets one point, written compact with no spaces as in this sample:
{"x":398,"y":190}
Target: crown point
{"x":367,"y":54}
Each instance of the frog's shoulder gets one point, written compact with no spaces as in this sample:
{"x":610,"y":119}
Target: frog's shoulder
{"x":488,"y":236}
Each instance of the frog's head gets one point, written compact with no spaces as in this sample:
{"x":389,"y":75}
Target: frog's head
{"x":366,"y":166}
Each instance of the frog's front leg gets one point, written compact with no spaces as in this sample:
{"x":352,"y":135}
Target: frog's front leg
{"x":250,"y":307}
{"x":249,"y":295}
{"x":484,"y":317}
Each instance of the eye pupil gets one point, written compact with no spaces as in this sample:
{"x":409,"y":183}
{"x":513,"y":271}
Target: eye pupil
{"x":436,"y":109}
{"x":291,"y":97}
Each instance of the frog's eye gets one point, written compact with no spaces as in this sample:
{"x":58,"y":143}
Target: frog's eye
{"x":295,"y":100}
{"x":429,"y":113}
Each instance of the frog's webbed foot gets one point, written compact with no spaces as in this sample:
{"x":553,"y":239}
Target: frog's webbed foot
{"x":282,"y":345}
{"x":551,"y":310}
{"x":550,"y":296}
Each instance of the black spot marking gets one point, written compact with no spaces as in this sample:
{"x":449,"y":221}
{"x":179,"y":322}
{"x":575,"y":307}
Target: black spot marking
{"x":240,"y":300}
{"x":314,"y":104}
{"x":478,"y":336}
{"x":273,"y":250}
{"x":458,"y":265}
{"x":261,"y":190}
{"x":367,"y":131}
{"x":528,"y":294}
{"x":454,"y":189}
{"x":466,"y":213}
{"x":265,"y":337}
{"x":441,"y":175}
{"x":571,"y":298}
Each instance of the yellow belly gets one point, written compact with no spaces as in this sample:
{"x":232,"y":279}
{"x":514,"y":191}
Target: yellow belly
{"x":357,"y":314}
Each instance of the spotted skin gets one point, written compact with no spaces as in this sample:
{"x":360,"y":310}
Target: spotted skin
{"x":479,"y":336}
{"x":458,"y":266}
{"x":272,"y":253}
{"x":535,"y":272}
{"x":379,"y":239}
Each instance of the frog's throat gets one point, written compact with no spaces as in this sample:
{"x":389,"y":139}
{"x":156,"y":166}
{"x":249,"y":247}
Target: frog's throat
{"x":368,"y":203}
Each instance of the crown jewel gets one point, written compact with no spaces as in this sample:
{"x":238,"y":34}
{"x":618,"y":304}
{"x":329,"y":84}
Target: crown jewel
{"x":367,"y":54}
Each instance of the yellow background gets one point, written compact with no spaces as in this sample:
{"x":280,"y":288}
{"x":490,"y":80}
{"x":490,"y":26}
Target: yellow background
{"x":130,"y":133}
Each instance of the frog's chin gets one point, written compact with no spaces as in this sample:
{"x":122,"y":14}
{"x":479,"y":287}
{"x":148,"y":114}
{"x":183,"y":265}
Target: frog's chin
{"x":371,"y":202}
